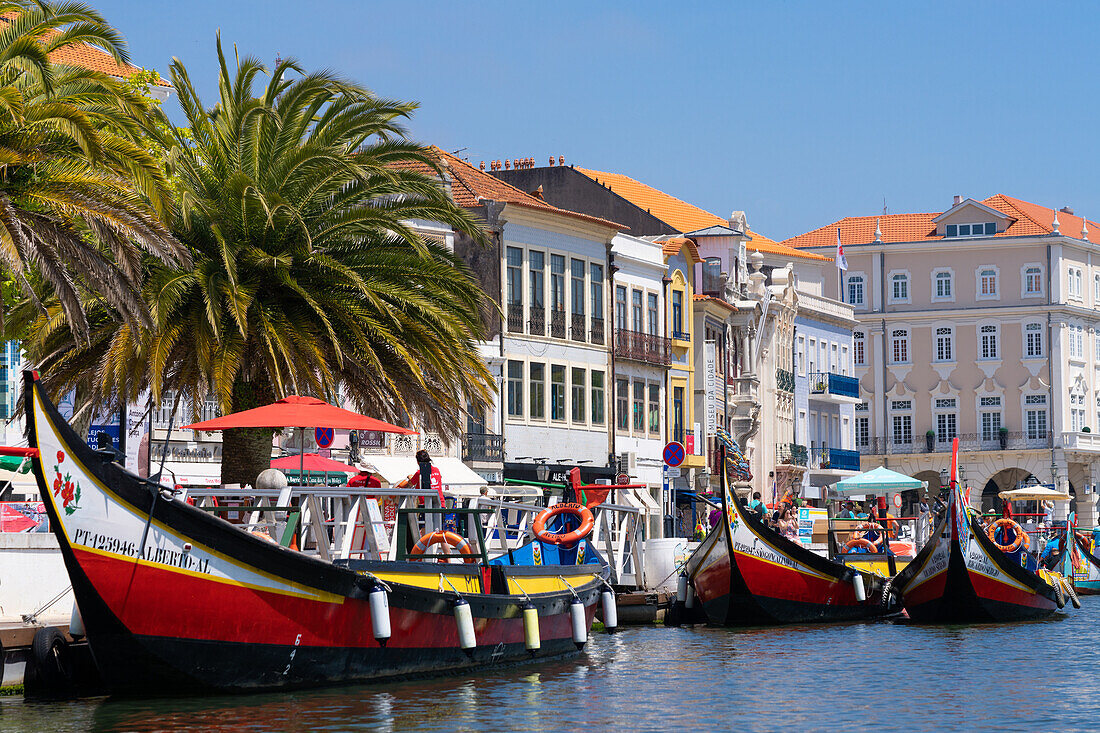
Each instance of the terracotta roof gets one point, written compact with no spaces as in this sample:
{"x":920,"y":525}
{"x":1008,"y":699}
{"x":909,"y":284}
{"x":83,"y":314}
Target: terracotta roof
{"x":711,"y":298}
{"x":672,"y":245}
{"x":682,"y":215}
{"x":470,"y":185}
{"x":90,"y":57}
{"x":1028,"y":219}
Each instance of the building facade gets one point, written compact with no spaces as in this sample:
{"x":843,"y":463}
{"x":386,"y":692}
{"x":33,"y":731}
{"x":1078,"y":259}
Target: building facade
{"x":978,"y":323}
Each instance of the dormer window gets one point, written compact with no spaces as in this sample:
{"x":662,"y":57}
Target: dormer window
{"x":972,"y":230}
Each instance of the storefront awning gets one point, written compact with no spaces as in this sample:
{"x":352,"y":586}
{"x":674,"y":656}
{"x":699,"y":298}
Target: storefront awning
{"x":190,"y":473}
{"x":392,"y":469}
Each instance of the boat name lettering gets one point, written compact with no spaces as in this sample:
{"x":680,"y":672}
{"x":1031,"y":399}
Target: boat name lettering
{"x":156,"y":555}
{"x":936,"y":564}
{"x":979,"y":562}
{"x":763,"y":554}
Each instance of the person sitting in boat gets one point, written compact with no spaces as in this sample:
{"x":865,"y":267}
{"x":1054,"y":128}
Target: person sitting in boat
{"x":790,"y":497}
{"x":1051,"y":553}
{"x":757,"y":506}
{"x":788,"y":524}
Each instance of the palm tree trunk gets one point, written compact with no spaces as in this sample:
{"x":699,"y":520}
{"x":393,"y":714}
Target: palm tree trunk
{"x":247,"y":451}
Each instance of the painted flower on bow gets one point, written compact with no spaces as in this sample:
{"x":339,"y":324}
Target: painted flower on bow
{"x":68,"y":489}
{"x":61,"y":456}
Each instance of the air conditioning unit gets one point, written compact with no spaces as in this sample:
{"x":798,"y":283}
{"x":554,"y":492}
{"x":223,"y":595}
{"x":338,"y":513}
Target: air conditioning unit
{"x":628,"y":462}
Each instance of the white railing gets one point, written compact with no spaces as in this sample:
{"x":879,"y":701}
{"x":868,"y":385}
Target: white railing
{"x":827,"y":306}
{"x":1081,"y":441}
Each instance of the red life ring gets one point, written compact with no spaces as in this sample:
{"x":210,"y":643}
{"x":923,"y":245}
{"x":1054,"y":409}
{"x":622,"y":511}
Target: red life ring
{"x":450,"y":538}
{"x":1021,"y":535}
{"x":569,"y":538}
{"x":859,"y":542}
{"x":869,"y":526}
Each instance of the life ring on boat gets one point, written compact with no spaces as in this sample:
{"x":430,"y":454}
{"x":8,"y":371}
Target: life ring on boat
{"x":450,"y":538}
{"x":870,"y":526}
{"x":1021,"y":535}
{"x":579,"y":511}
{"x":859,"y":542}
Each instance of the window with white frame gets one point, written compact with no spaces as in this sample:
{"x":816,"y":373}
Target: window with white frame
{"x":1033,"y":280}
{"x":902,"y":424}
{"x":899,"y":287}
{"x":1076,"y":410}
{"x":801,"y":354}
{"x":1033,"y":340}
{"x":988,"y":347}
{"x":1075,"y":341}
{"x":1035,"y":416}
{"x":945,"y":344}
{"x":990,"y":408}
{"x":899,"y":346}
{"x":985,"y":229}
{"x":844,"y":360}
{"x":1096,"y":288}
{"x":943,"y":285}
{"x":863,"y":432}
{"x":1073,"y":282}
{"x":946,"y":419}
{"x":859,"y":346}
{"x":855,"y":290}
{"x":987,"y":283}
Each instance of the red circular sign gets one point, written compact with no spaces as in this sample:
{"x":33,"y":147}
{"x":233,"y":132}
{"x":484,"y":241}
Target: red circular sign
{"x":324,"y":437}
{"x":674,"y":454}
{"x":622,"y":479}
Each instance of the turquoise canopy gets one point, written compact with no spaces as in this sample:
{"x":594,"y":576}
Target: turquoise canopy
{"x":879,"y":480}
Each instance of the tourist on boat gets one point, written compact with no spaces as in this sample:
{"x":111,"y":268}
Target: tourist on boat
{"x":788,"y":524}
{"x":757,"y":506}
{"x":846,"y":511}
{"x":715,"y":516}
{"x":365,"y":478}
{"x":1049,"y":557}
{"x":428,"y":477}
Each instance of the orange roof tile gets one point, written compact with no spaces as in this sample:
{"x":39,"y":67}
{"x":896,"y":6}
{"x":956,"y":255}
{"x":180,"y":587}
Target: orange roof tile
{"x":470,"y":185}
{"x":711,"y":298}
{"x":1028,"y":220}
{"x":682,"y":215}
{"x":672,"y":245}
{"x":90,"y":57}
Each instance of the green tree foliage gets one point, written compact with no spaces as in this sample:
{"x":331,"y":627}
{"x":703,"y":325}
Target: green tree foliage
{"x":294,"y":200}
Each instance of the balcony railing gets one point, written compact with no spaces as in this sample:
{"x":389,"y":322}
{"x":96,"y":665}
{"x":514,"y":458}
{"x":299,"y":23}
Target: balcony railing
{"x":557,"y":324}
{"x":515,"y":318}
{"x":537,"y":322}
{"x":833,"y":384}
{"x":836,"y":459}
{"x":596,"y":332}
{"x":784,"y":380}
{"x":1081,"y":441}
{"x":970,"y":442}
{"x":643,"y":347}
{"x":483,"y":447}
{"x":681,"y":335}
{"x":578,"y":329}
{"x":791,"y":454}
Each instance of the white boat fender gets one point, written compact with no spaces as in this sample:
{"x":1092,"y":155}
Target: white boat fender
{"x":682,"y":588}
{"x":531,"y":638}
{"x":464,"y":620}
{"x":610,"y":610}
{"x":76,"y":624}
{"x":580,"y":623}
{"x":857,"y":583}
{"x":379,"y":614}
{"x":689,"y":600}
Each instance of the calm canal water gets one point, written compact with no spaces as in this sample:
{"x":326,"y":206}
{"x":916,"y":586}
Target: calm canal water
{"x":1033,"y":676}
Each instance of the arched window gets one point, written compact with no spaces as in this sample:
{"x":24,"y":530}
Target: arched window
{"x":944,"y":284}
{"x":899,"y":283}
{"x":859,"y":342}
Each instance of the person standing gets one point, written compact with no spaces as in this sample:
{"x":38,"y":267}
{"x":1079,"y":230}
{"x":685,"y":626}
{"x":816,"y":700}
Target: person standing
{"x":427,"y":477}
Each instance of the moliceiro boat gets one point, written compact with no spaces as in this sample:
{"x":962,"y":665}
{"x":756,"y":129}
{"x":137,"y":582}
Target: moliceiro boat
{"x":1083,"y":564}
{"x":960,"y":576}
{"x":745,"y":574}
{"x":175,"y":599}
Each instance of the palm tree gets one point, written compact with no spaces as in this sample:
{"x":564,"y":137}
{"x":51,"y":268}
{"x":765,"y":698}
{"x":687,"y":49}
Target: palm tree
{"x":78,"y":193}
{"x":295,"y":202}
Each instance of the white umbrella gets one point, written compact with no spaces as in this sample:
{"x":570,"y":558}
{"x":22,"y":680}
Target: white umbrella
{"x":1034,"y":493}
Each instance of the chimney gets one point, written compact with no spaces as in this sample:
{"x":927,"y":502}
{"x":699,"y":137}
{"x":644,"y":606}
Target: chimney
{"x":507,"y":165}
{"x":1066,"y":210}
{"x":958,"y":200}
{"x":481,"y":165}
{"x":561,"y":160}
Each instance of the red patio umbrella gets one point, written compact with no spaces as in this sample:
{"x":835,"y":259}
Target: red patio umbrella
{"x":298,"y":411}
{"x":312,"y":462}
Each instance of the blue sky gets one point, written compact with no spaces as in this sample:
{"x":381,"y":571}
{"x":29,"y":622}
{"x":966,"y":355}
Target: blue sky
{"x":796,"y":112}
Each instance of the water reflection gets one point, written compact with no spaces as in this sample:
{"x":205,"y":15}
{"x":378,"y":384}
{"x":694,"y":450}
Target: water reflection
{"x":842,"y":677}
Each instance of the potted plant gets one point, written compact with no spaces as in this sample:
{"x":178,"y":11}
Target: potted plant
{"x":930,"y":440}
{"x":1002,"y":435}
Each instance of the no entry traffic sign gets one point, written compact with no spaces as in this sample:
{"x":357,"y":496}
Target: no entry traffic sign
{"x":674,"y":453}
{"x":323,"y":436}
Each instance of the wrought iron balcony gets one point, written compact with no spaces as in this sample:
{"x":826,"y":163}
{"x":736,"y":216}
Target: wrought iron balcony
{"x":596,"y":334}
{"x":557,"y":324}
{"x":515,"y":318}
{"x":578,"y":329}
{"x":642,"y":347}
{"x":483,"y":447}
{"x":791,"y":454}
{"x":536,"y":324}
{"x":969,"y":442}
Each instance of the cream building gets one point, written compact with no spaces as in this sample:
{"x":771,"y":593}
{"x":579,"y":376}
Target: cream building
{"x":979,"y":322}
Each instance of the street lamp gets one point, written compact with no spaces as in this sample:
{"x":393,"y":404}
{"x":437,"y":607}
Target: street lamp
{"x":542,"y":472}
{"x":1053,"y":475}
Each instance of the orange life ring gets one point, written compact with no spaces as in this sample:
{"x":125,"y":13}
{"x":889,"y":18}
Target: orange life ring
{"x":869,"y":526}
{"x":569,"y":538}
{"x":1021,"y":535}
{"x":450,"y":538}
{"x":859,"y":542}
